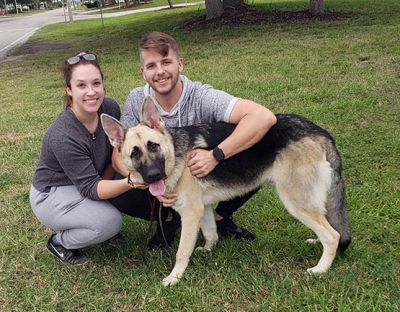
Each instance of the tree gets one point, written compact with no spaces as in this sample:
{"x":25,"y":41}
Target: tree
{"x":316,"y":7}
{"x":232,"y":4}
{"x":69,"y":9}
{"x":215,"y":8}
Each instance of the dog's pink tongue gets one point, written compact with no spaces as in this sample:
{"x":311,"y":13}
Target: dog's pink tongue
{"x":157,"y":188}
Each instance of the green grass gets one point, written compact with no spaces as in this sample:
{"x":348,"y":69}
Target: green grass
{"x":344,"y":75}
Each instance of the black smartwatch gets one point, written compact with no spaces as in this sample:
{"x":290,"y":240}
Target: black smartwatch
{"x":218,"y":154}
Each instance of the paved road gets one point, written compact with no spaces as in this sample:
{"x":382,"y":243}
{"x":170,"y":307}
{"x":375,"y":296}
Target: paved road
{"x":14,"y":31}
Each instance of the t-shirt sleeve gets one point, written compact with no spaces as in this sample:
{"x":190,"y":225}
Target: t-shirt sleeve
{"x":215,"y":105}
{"x":131,"y":112}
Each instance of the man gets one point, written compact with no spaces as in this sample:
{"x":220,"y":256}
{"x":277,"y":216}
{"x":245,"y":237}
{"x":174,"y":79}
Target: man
{"x":183,"y":102}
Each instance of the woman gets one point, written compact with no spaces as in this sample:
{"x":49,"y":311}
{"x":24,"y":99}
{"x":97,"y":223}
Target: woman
{"x":73,"y":179}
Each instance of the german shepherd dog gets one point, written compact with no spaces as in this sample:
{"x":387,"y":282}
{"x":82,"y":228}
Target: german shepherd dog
{"x":298,"y":158}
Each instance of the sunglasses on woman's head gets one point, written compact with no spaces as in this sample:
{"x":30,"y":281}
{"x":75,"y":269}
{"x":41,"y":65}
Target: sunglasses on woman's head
{"x":81,"y":56}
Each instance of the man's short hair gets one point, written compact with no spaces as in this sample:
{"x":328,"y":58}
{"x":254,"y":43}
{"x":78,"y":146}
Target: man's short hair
{"x":159,"y":41}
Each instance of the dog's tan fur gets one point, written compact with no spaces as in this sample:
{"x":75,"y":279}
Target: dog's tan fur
{"x":300,"y":173}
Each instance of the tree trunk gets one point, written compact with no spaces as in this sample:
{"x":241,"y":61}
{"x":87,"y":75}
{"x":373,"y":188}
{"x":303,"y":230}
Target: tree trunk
{"x":214,"y":8}
{"x":170,"y":4}
{"x":317,"y":7}
{"x":231,"y":4}
{"x":71,"y":19}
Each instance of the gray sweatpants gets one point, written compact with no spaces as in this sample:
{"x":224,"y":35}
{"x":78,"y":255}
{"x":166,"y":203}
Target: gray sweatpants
{"x":80,"y":221}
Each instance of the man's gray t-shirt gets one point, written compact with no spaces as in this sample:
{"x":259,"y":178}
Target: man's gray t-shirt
{"x":199,"y":103}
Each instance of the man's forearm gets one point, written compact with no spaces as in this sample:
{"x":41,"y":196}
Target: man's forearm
{"x":250,"y":129}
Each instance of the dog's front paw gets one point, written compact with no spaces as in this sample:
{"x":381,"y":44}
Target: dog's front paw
{"x":316,"y":270}
{"x":203,"y":249}
{"x":170,"y":281}
{"x":312,"y":241}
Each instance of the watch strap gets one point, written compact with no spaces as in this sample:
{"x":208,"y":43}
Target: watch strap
{"x":218,"y":154}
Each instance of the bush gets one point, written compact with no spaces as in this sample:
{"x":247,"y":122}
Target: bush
{"x":91,"y":5}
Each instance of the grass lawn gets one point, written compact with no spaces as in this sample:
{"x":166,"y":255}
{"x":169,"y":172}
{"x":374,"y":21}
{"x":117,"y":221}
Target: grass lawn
{"x":343,"y":75}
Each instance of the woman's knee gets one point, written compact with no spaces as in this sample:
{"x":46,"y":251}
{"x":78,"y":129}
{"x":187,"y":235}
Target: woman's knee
{"x":115,"y":222}
{"x":109,"y":224}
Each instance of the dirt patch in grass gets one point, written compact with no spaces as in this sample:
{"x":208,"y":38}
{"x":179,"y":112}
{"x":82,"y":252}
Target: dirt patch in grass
{"x":41,"y":46}
{"x":18,"y":52}
{"x":254,"y":16}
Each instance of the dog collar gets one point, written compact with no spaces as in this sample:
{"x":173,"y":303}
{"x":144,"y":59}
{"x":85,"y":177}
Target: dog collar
{"x":135,"y":185}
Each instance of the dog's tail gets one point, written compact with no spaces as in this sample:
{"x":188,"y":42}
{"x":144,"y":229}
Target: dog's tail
{"x":335,"y":205}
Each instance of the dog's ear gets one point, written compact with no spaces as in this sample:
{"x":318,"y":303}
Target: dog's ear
{"x":114,"y":129}
{"x":151,"y":114}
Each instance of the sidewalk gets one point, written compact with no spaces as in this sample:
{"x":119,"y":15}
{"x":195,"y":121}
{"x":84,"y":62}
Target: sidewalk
{"x":89,"y":14}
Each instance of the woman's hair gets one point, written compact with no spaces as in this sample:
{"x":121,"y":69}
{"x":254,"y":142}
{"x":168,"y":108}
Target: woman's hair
{"x":82,"y":58}
{"x":159,"y":41}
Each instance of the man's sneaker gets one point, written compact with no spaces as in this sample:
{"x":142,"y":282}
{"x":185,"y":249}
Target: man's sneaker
{"x":158,"y":241}
{"x":67,"y":256}
{"x":117,"y":240}
{"x":226,"y":227}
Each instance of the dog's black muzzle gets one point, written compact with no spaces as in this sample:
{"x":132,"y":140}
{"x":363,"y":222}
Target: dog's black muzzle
{"x":152,"y":173}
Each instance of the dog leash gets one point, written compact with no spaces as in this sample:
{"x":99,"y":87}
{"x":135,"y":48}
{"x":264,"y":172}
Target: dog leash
{"x":150,"y":228}
{"x":161,"y":223}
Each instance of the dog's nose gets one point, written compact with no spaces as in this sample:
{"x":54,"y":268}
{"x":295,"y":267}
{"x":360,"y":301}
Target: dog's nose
{"x":154,"y":174}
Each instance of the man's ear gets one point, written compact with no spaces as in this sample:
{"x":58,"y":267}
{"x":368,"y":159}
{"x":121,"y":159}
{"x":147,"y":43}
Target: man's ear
{"x":151,"y":114}
{"x":181,"y":64}
{"x":114,"y":129}
{"x":142,"y":72}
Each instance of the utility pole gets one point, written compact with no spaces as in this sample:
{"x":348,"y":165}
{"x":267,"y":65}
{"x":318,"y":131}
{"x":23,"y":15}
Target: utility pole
{"x":71,"y":19}
{"x":101,"y":12}
{"x":16,"y":8}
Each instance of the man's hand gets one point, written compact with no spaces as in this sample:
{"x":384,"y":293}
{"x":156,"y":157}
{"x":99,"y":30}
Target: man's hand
{"x":201,"y":162}
{"x":168,"y":199}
